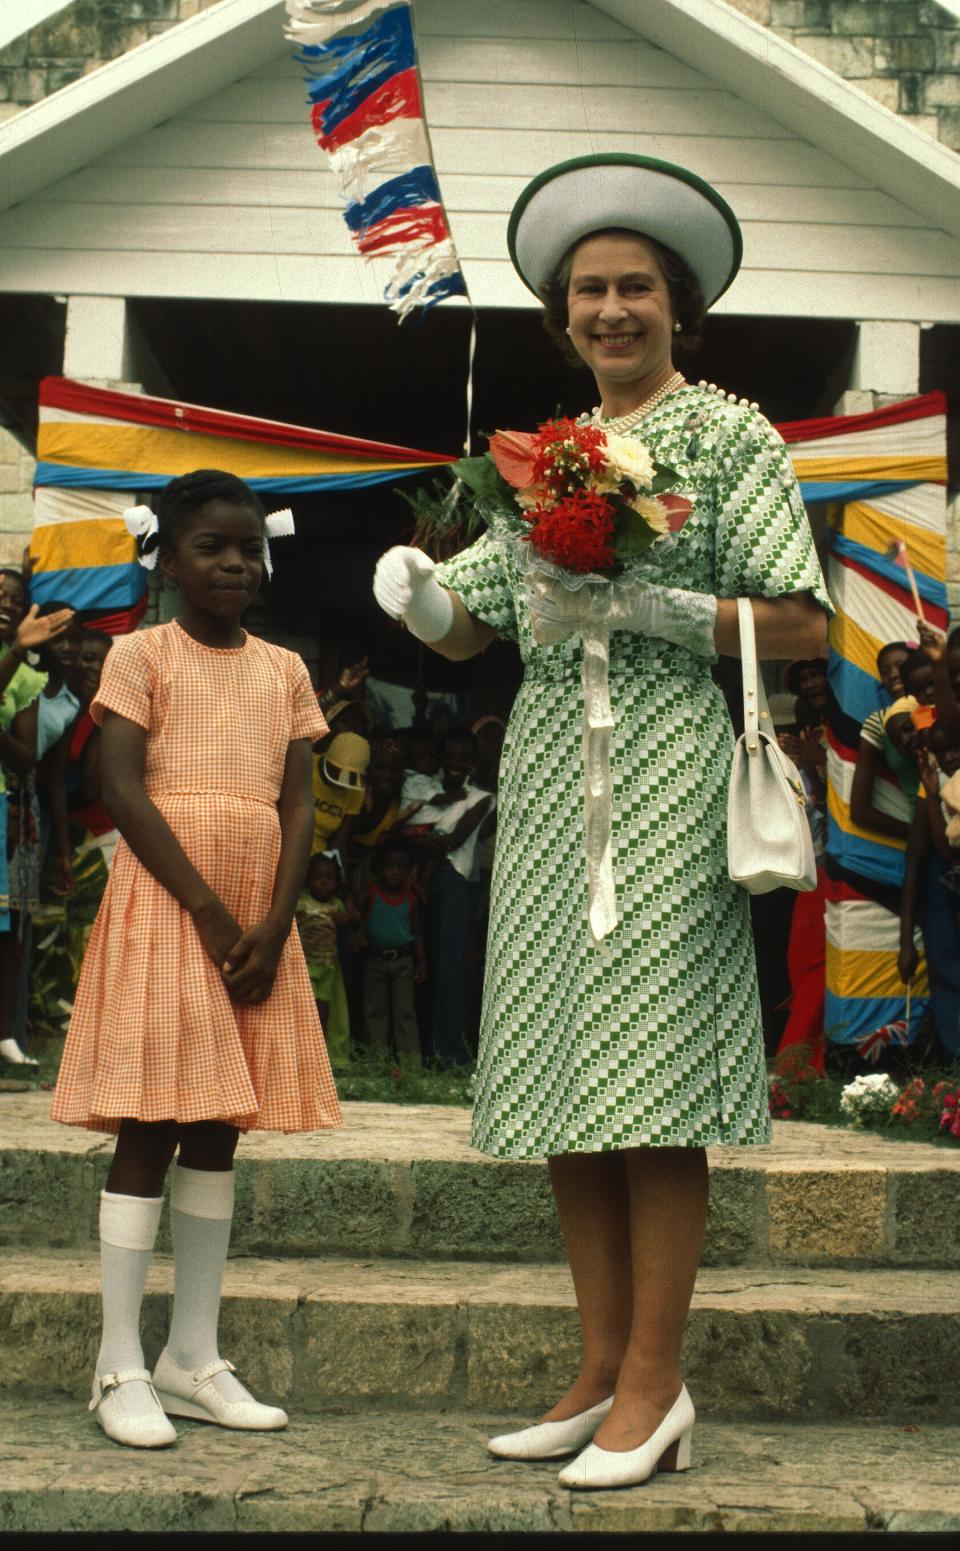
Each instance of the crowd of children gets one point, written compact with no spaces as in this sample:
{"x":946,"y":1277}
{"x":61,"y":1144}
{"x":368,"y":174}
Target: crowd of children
{"x":402,"y":853}
{"x":908,"y":750}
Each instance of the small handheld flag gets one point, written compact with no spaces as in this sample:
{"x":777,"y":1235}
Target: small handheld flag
{"x":898,"y":554}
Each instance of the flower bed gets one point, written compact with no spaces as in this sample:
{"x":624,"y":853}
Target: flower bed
{"x":918,"y":1107}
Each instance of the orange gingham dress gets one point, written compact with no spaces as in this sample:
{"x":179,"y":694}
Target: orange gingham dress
{"x":154,"y":1033}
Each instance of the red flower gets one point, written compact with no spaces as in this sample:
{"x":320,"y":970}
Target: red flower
{"x":577,"y":532}
{"x":566,"y":453}
{"x":513,"y":454}
{"x":678,"y":510}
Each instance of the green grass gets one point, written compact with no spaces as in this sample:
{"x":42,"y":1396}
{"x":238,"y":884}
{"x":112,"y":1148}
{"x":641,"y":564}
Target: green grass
{"x":381,"y":1080}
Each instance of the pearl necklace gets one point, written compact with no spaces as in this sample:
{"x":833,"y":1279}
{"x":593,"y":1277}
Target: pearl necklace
{"x":624,"y":422}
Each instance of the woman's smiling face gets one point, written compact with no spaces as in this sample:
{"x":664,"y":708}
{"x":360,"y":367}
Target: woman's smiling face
{"x":620,"y":315}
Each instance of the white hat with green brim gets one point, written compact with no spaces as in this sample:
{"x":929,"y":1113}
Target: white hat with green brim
{"x":614,"y":190}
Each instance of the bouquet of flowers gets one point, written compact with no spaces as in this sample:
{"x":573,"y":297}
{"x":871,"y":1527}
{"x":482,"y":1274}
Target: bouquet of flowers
{"x":869,"y":1097}
{"x":584,"y":499}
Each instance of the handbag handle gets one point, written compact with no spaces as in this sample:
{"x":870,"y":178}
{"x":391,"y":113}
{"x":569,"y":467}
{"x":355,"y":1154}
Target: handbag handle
{"x":755,"y":708}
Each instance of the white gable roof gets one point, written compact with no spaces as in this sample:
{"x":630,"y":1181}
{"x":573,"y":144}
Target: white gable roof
{"x":187,"y":167}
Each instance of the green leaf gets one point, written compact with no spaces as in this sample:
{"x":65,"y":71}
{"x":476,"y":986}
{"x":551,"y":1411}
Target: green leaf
{"x":664,"y":479}
{"x":482,"y":476}
{"x":634,"y":537}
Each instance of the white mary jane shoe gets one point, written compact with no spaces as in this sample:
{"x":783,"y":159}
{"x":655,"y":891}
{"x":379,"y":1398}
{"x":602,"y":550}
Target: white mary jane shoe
{"x":11,"y":1053}
{"x":666,"y":1449}
{"x":149,"y":1430}
{"x":192,"y":1393}
{"x":551,"y":1440}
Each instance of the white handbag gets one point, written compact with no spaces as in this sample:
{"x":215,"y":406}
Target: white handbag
{"x":769,"y":845}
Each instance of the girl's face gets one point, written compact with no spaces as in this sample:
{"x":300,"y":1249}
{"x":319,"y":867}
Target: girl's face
{"x":64,"y":650}
{"x":920,"y":684}
{"x":13,"y":605}
{"x":85,"y":675}
{"x":889,"y":670}
{"x":947,"y":758}
{"x":385,"y":777}
{"x":216,"y":559}
{"x":323,"y":880}
{"x":394,"y":870}
{"x":902,"y":733}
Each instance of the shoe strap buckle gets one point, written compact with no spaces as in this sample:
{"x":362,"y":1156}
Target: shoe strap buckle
{"x":203,"y":1375}
{"x":104,"y":1382}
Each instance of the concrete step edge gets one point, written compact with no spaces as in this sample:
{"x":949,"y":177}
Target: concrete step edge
{"x":435,"y":1335}
{"x":397,"y":1472}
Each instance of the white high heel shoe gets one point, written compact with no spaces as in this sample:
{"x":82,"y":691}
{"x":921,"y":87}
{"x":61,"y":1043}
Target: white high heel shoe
{"x":666,"y":1449}
{"x":551,"y":1440}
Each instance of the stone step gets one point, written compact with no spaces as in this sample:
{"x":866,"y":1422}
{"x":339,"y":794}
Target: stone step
{"x":312,"y":1334}
{"x":400,"y":1472}
{"x":402,"y":1180}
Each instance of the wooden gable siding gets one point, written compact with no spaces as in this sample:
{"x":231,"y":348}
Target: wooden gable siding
{"x":233,"y":199}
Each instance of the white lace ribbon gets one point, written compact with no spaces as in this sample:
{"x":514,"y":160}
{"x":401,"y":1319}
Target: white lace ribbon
{"x":576,"y":614}
{"x":598,"y":724}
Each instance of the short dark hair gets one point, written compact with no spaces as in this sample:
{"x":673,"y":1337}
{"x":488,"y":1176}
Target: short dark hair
{"x":328,"y":861}
{"x":100,"y":636}
{"x":185,"y":495}
{"x":686,"y":297}
{"x":891,"y":646}
{"x":913,"y":662}
{"x":791,"y":677}
{"x":14,"y":574}
{"x":393,"y":845}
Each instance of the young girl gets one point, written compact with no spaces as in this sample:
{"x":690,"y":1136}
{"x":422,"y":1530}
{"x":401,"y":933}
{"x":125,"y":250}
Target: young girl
{"x":320,"y":910}
{"x":194,"y":1017}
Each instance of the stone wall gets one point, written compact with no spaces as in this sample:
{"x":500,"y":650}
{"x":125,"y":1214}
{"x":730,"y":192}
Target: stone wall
{"x":903,"y":53}
{"x":79,"y":39}
{"x":16,"y":499}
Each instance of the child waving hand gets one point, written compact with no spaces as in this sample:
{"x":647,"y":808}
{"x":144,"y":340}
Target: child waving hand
{"x":194,"y":1017}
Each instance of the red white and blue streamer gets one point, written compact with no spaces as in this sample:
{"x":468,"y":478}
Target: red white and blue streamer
{"x":360,"y":59}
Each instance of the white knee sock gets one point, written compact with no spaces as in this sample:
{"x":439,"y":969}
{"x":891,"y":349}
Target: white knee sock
{"x":201,"y":1214}
{"x":128,"y":1231}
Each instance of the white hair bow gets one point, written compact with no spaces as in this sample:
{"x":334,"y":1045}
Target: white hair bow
{"x":142,"y":523}
{"x":279,"y":525}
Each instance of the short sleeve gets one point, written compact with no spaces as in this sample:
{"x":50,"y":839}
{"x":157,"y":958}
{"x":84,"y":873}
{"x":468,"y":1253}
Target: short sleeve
{"x":872,"y":730}
{"x":479,"y":578}
{"x":764,"y":547}
{"x":21,"y":691}
{"x":128,"y":680}
{"x":306,"y":718}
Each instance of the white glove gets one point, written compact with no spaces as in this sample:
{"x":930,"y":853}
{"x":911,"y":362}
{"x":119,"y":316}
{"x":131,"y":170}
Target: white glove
{"x":671,"y":613}
{"x":405,"y":588}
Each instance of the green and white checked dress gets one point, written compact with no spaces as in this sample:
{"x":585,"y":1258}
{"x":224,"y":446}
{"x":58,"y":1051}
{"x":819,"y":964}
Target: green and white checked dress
{"x":655,"y":1038}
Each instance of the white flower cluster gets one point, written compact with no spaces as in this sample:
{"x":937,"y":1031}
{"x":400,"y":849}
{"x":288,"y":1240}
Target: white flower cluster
{"x":869,"y":1094}
{"x":630,"y":460}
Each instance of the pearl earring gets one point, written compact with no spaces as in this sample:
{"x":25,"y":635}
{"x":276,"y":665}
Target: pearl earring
{"x":566,"y":330}
{"x":677,"y":327}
